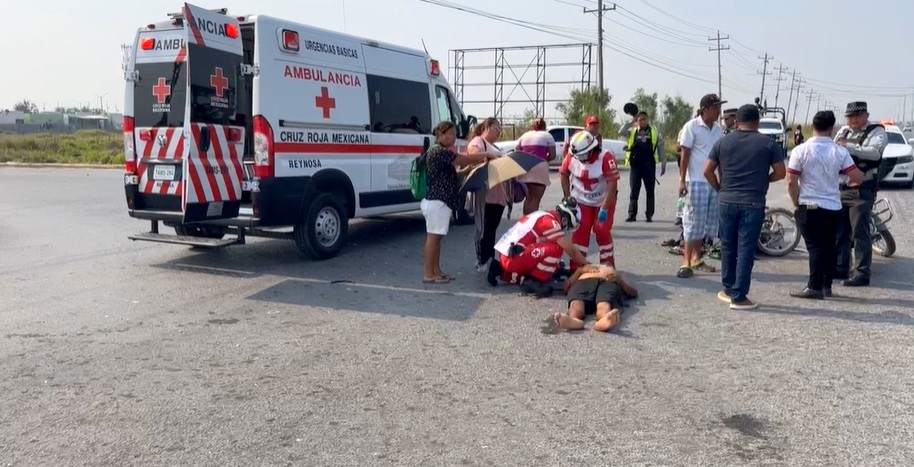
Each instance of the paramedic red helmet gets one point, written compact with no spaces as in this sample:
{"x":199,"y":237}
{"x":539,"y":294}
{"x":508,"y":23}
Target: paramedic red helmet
{"x":582,"y":145}
{"x":569,"y":213}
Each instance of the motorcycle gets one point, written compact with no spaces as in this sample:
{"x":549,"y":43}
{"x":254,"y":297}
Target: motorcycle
{"x":883,"y":241}
{"x":780,"y":234}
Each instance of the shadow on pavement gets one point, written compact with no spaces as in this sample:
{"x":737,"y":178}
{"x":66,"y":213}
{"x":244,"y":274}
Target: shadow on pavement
{"x":885,"y":317}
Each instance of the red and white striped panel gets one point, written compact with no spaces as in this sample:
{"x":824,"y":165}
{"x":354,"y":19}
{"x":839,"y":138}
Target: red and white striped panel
{"x":166,"y":144}
{"x":215,"y":175}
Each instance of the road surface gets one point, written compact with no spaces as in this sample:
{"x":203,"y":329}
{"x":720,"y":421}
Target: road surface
{"x":126,"y":353}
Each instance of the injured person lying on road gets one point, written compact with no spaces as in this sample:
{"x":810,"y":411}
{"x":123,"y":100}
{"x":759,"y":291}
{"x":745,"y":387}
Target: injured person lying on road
{"x":595,"y":288}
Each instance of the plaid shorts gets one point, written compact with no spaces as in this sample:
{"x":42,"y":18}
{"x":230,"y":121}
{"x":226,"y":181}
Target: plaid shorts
{"x":701,"y":218}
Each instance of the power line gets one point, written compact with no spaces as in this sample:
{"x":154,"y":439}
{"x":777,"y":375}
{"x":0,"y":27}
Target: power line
{"x":674,"y":17}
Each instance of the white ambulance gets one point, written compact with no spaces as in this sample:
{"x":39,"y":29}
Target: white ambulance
{"x":250,"y":125}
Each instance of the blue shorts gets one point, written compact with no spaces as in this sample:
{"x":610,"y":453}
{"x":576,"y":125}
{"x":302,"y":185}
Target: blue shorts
{"x":701,"y":218}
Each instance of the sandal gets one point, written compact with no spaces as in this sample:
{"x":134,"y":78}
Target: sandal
{"x":437,"y":280}
{"x":703,"y":267}
{"x":685,"y":273}
{"x":448,"y":277}
{"x":670,"y":242}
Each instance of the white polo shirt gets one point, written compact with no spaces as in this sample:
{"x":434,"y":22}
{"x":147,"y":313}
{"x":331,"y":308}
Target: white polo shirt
{"x":700,"y":138}
{"x":819,"y":163}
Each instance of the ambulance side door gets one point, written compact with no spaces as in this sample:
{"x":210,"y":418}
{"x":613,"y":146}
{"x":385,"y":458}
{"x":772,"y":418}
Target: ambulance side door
{"x":401,"y":120}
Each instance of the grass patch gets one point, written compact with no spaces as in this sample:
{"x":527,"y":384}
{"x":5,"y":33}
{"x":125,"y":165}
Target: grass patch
{"x":82,"y":147}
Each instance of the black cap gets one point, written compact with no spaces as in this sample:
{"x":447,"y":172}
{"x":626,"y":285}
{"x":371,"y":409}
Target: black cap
{"x":747,"y":113}
{"x":710,"y":100}
{"x":855,"y":108}
{"x":730,"y":113}
{"x":823,"y":120}
{"x":630,"y":109}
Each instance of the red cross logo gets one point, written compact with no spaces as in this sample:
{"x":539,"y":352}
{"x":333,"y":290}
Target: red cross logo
{"x":325,"y":102}
{"x":161,"y":91}
{"x":219,"y":82}
{"x":587,"y":181}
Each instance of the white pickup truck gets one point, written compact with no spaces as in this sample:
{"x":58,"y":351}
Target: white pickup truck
{"x":563,"y":133}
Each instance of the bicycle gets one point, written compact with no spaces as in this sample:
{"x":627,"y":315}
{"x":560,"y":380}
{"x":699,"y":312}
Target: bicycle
{"x":883,"y":241}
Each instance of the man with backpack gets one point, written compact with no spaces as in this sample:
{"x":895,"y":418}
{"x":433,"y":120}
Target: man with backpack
{"x":865,"y":142}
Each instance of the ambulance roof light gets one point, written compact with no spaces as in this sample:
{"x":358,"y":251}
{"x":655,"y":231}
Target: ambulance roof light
{"x":435,"y":68}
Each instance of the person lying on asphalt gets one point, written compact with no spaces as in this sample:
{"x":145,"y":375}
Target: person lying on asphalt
{"x":595,"y":288}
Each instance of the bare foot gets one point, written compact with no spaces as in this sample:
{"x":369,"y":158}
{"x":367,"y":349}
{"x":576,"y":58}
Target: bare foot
{"x":601,"y":313}
{"x":567,"y":322}
{"x":607,"y":322}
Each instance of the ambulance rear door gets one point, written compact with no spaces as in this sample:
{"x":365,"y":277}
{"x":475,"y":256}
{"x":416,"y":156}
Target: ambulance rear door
{"x":213,"y":128}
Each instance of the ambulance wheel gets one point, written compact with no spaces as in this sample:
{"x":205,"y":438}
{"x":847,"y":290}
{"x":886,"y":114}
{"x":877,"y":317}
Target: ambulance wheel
{"x":322,"y":233}
{"x":201,"y":231}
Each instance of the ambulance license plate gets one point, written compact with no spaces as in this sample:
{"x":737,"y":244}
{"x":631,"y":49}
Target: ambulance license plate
{"x":163,"y":172}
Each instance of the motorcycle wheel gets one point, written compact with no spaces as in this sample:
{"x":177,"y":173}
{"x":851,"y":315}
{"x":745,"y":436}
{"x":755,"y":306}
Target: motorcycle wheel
{"x":884,"y":244}
{"x":778,"y":228}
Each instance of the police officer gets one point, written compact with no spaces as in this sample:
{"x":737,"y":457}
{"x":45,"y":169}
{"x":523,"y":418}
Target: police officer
{"x":865,"y":141}
{"x":643,"y":148}
{"x":729,"y":121}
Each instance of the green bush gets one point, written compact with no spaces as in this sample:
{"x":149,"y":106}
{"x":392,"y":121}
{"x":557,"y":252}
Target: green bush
{"x":82,"y":147}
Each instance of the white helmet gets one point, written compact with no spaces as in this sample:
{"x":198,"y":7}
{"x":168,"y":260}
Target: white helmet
{"x":582,"y":145}
{"x":569,"y":213}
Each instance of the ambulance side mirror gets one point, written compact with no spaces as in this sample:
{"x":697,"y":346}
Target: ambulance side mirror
{"x":466,"y":125}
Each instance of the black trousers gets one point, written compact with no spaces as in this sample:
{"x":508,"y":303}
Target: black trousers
{"x":646,"y":174}
{"x":854,"y":233}
{"x":485,"y":244}
{"x":819,"y":228}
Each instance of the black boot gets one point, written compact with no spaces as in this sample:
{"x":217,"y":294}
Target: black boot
{"x":808,"y":293}
{"x":494,"y":273}
{"x":857,"y":281}
{"x":536,"y":288}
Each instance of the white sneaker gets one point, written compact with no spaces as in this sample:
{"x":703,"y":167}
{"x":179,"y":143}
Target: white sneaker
{"x":482,"y":267}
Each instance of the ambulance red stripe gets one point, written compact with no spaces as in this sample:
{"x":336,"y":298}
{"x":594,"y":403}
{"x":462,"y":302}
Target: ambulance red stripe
{"x":193,"y":177}
{"x":307,"y":148}
{"x":234,"y":160}
{"x":198,"y":36}
{"x":222,"y":161}
{"x":206,"y":162}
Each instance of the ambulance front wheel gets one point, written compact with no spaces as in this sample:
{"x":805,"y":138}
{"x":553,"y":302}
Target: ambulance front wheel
{"x":322,"y":232}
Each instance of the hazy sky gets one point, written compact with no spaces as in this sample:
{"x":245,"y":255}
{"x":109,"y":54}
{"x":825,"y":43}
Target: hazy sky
{"x":68,"y":52}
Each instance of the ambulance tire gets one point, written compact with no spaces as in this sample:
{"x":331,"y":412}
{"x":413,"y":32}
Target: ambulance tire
{"x":200,"y":231}
{"x":322,"y":232}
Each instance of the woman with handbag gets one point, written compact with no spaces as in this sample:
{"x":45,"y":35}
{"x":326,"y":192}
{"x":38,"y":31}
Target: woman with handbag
{"x":489,"y":204}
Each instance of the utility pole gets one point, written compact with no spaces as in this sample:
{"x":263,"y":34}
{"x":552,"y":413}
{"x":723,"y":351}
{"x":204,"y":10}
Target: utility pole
{"x":720,"y":76}
{"x":793,"y":81}
{"x":764,"y":73}
{"x":809,"y":94}
{"x":781,"y":69}
{"x":796,"y":105}
{"x":599,"y":11}
{"x":904,"y":110}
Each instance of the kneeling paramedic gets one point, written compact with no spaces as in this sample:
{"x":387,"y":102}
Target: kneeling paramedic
{"x":590,"y":177}
{"x":530,"y":253}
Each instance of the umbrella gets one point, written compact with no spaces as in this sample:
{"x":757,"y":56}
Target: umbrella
{"x":500,"y":170}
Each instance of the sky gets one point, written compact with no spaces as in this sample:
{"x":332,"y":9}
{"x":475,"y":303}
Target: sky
{"x":67,"y":53}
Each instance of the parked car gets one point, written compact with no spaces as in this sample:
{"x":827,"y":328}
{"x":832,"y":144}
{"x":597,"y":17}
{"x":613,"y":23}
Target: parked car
{"x":903,"y":154}
{"x":563,"y":133}
{"x":775,"y":128}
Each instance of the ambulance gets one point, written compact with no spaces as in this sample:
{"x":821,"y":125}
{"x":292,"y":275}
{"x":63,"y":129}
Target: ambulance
{"x":242,"y":126}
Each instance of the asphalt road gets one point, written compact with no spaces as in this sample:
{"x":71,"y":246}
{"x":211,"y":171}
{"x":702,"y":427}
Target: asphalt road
{"x":115,"y":352}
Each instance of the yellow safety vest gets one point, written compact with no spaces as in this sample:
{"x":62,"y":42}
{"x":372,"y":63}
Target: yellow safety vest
{"x":631,"y":142}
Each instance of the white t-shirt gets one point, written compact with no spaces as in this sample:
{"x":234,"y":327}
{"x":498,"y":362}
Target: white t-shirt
{"x":819,"y":163}
{"x":536,"y":143}
{"x":700,"y":139}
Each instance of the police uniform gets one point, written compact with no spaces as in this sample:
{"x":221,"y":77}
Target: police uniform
{"x":730,"y":113}
{"x":865,"y":146}
{"x":643,"y":149}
